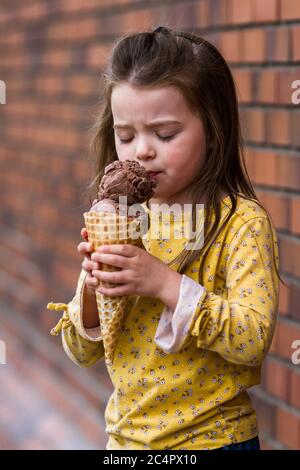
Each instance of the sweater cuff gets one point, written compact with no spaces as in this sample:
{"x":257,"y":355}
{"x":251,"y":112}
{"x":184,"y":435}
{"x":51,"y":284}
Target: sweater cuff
{"x":73,"y":312}
{"x":174,"y":327}
{"x":76,"y":312}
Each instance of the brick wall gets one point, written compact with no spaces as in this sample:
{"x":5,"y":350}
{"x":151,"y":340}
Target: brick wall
{"x":52,"y":53}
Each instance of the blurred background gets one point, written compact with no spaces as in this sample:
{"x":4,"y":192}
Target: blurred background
{"x":52,"y":57}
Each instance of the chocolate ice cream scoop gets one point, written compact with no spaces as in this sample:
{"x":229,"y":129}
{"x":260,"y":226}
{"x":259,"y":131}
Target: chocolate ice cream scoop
{"x":124,"y":178}
{"x":127,"y":178}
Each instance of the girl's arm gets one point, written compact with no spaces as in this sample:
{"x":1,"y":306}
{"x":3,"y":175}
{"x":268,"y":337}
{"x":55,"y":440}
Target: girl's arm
{"x":81,"y":337}
{"x":90,"y":317}
{"x":240,"y":327}
{"x":81,"y":351}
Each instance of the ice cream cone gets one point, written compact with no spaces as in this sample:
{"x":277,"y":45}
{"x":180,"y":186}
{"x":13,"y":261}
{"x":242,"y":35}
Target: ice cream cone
{"x":107,"y":228}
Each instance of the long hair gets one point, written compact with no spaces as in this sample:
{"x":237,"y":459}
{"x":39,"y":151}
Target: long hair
{"x":171,"y":57}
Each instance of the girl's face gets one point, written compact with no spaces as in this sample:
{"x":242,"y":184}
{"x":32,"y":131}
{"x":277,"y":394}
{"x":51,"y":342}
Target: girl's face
{"x":175,"y":146}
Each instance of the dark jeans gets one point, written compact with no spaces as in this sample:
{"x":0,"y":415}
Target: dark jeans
{"x":252,"y":444}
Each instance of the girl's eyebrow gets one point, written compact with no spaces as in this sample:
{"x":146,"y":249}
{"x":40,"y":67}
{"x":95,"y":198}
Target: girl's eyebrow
{"x":150,"y":124}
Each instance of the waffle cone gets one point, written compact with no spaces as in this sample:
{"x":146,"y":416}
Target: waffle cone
{"x":106,"y":228}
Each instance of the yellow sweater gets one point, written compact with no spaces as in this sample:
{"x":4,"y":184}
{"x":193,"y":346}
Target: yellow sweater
{"x":193,"y":397}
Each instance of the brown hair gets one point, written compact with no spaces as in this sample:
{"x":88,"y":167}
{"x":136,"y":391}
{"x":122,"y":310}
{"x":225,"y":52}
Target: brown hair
{"x":170,"y":57}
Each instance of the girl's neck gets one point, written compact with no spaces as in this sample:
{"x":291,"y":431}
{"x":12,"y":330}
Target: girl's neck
{"x":157,"y":206}
{"x":154,"y":204}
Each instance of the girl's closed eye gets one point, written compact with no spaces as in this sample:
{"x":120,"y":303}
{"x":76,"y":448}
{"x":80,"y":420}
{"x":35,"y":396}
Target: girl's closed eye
{"x":126,"y":141}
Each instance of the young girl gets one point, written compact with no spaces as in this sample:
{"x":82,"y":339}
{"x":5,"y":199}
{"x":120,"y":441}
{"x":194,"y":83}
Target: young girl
{"x":199,"y":321}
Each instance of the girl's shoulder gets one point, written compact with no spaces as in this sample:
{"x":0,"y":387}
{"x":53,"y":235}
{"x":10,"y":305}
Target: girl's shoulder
{"x":246,"y":208}
{"x":248,"y":213}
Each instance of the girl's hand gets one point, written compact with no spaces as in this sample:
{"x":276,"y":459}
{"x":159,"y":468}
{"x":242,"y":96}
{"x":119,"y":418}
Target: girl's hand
{"x":140,"y":274}
{"x":85,"y":248}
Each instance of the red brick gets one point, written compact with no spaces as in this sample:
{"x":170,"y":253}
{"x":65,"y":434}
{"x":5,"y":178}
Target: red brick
{"x":57,"y":57}
{"x":243,"y":81}
{"x":289,"y":10}
{"x":284,"y":296}
{"x":49,"y":85}
{"x":278,"y":127}
{"x":277,"y":379}
{"x":6,"y":15}
{"x":13,"y":61}
{"x":278,"y":207}
{"x":295,"y":126}
{"x":254,"y":45}
{"x":289,"y":171}
{"x":274,"y":345}
{"x":267,"y":86}
{"x":128,"y":21}
{"x":256,"y":125}
{"x":286,"y":77}
{"x":265,"y":413}
{"x":287,"y":428}
{"x":82,"y":85}
{"x":230,"y":45}
{"x":266,"y":11}
{"x":295,"y":42}
{"x":294,"y":295}
{"x":250,"y":163}
{"x":295,"y":211}
{"x":15,"y":38}
{"x":35,"y":12}
{"x":294,"y":398}
{"x":71,"y":6}
{"x":278,"y":40}
{"x":96,"y":55}
{"x":290,"y":256}
{"x":242,"y":12}
{"x":202,"y":13}
{"x":288,"y":333}
{"x":79,"y":29}
{"x":266,"y":167}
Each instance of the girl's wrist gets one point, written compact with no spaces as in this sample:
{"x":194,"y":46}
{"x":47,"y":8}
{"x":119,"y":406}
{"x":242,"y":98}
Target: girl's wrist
{"x":170,"y":288}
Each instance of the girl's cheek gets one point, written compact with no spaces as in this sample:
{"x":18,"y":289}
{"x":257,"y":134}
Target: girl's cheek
{"x":173,"y":158}
{"x":124,"y":153}
{"x":123,"y":158}
{"x":120,"y":153}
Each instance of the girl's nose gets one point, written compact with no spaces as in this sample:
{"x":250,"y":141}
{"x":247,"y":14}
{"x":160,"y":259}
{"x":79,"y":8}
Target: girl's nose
{"x":144,"y":154}
{"x":144,"y":150}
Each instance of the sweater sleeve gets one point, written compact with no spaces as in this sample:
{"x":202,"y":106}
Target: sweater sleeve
{"x":174,"y":327}
{"x":84,"y":346}
{"x":240,"y":327}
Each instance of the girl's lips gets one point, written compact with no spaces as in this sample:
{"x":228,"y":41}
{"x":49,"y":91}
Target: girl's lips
{"x":154,"y":174}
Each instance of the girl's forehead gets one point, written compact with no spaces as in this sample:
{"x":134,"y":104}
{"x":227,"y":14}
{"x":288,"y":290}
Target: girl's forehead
{"x":153,"y":102}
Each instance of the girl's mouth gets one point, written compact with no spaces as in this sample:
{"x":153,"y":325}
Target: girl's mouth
{"x":155,"y":174}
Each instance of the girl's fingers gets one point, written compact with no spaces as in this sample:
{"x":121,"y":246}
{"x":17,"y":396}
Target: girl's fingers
{"x":85,"y":248}
{"x":84,"y":234}
{"x":91,"y":281}
{"x":116,"y":277}
{"x":113,"y":291}
{"x":88,"y":265}
{"x":114,"y":260}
